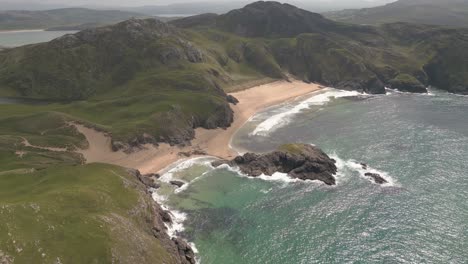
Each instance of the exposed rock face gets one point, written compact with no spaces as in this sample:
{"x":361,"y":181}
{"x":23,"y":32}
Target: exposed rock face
{"x":181,"y":250}
{"x":299,"y":161}
{"x":179,"y":129}
{"x":376,"y":177}
{"x":177,"y":183}
{"x":231,"y":99}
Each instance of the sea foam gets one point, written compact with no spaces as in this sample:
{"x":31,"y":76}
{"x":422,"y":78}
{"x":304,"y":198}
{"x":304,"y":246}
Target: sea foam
{"x":352,"y":165}
{"x":283,"y":118}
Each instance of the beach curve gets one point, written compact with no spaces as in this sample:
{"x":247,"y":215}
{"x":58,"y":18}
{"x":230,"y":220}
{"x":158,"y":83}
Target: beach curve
{"x":214,"y":142}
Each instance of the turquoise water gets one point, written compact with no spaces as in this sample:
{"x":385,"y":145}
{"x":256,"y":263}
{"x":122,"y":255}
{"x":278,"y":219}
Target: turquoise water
{"x":20,"y":38}
{"x":419,"y":142}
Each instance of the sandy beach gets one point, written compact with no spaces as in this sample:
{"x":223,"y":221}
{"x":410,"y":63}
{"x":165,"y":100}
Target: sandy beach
{"x":215,"y":142}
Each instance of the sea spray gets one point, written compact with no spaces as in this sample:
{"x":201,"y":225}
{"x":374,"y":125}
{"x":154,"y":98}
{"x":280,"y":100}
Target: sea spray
{"x":355,"y":166}
{"x":287,"y":112}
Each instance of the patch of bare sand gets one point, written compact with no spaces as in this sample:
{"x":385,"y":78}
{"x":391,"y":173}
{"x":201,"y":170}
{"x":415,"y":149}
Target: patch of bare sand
{"x":214,"y":142}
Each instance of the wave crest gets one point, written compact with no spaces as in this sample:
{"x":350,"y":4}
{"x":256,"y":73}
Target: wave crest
{"x":283,"y":118}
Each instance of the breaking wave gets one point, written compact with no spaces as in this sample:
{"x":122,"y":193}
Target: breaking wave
{"x":283,"y":118}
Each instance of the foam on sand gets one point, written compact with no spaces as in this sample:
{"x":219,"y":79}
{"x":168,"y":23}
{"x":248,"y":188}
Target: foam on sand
{"x":283,"y":118}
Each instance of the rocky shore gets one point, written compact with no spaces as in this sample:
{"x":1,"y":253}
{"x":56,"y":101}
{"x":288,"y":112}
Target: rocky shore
{"x":180,"y":249}
{"x":299,"y":161}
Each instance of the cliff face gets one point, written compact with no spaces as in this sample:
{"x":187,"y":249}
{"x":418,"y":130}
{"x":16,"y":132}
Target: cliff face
{"x":299,"y":161}
{"x":180,"y":250}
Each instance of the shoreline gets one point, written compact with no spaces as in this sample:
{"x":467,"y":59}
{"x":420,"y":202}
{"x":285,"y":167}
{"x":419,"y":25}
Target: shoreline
{"x":215,"y":142}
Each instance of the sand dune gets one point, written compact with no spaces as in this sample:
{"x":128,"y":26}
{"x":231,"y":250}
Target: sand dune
{"x":215,"y":142}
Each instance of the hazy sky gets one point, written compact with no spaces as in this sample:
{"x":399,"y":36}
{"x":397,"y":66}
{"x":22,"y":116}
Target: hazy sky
{"x":159,"y":2}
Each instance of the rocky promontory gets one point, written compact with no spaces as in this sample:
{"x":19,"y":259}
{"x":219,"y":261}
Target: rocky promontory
{"x":299,"y":161}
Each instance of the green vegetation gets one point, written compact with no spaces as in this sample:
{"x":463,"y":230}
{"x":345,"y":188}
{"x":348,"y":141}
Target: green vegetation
{"x":408,"y":83}
{"x":144,"y":81}
{"x":292,"y":148}
{"x":152,"y":82}
{"x":431,"y":12}
{"x":55,"y":209}
{"x":77,"y":214}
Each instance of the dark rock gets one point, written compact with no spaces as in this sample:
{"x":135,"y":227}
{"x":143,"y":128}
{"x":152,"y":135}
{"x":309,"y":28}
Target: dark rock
{"x":187,"y":256}
{"x":165,"y":216}
{"x":364,"y":166}
{"x":376,"y":177}
{"x":299,"y":161}
{"x":194,"y":152}
{"x":147,"y":181}
{"x":231,"y":99}
{"x":152,"y":175}
{"x":218,"y":163}
{"x":177,"y":183}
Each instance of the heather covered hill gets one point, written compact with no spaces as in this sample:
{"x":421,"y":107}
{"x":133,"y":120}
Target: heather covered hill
{"x":433,"y":12}
{"x":144,"y":81}
{"x":177,"y":74}
{"x":341,"y":55}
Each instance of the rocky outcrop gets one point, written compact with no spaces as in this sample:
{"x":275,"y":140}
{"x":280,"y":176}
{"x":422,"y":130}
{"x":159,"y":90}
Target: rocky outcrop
{"x":232,"y":100}
{"x":180,"y":249}
{"x":185,"y":251}
{"x":299,"y":161}
{"x":177,"y":183}
{"x":179,"y":129}
{"x":376,"y":178}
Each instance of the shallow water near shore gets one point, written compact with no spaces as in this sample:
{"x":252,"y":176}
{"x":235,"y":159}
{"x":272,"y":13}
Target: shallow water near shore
{"x":418,"y":142}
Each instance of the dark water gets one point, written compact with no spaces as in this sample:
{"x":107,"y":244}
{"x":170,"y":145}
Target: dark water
{"x":418,"y":142}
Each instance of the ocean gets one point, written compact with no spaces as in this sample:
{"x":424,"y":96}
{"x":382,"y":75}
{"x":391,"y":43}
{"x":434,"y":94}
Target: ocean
{"x":419,"y":143}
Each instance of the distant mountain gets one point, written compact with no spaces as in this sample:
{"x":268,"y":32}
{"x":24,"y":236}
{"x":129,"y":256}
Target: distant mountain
{"x":431,"y":12}
{"x":264,"y":19}
{"x":65,"y":17}
{"x":221,"y":7}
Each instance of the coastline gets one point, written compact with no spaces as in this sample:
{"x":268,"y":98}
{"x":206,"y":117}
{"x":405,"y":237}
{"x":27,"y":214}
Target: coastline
{"x":214,"y":142}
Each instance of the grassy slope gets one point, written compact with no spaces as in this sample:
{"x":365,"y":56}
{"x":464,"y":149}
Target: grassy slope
{"x":54,"y":208}
{"x":72,"y":214}
{"x":445,"y":13}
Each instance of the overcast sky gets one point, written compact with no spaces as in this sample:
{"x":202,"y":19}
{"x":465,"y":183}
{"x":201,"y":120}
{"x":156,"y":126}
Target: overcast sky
{"x":32,"y":3}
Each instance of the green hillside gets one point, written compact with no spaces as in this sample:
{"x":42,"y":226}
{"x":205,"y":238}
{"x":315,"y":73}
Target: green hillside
{"x":432,"y":12}
{"x":145,"y":81}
